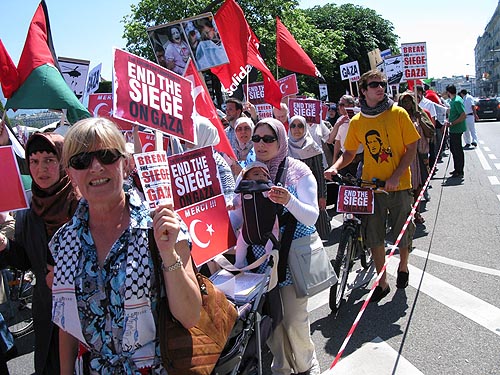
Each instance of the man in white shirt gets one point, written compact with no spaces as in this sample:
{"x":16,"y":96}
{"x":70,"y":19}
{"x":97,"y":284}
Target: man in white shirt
{"x":470,"y":120}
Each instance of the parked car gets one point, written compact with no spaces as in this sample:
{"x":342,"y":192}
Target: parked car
{"x":488,"y":108}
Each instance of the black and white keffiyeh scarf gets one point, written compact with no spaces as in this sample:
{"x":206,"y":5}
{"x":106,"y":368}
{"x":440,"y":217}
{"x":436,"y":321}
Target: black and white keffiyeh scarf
{"x":383,"y":106}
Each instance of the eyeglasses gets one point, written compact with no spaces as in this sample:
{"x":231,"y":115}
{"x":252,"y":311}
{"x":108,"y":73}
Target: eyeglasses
{"x":84,"y":159}
{"x":376,"y":84}
{"x":299,"y":125}
{"x":266,"y":138}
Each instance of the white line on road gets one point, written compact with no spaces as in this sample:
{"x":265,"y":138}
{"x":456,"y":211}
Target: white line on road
{"x":492,"y":156}
{"x":497,"y":165}
{"x":486,"y":149}
{"x":494,"y":180}
{"x":498,"y":196}
{"x":482,"y":159}
{"x":375,"y":357}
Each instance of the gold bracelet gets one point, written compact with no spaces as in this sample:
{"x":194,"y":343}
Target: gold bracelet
{"x":173,"y":267}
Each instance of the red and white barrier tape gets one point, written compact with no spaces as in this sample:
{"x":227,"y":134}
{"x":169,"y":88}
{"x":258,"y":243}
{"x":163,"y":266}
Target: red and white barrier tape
{"x":393,"y":249}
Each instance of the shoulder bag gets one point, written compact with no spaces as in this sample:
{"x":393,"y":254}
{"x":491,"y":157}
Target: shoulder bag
{"x":193,"y":351}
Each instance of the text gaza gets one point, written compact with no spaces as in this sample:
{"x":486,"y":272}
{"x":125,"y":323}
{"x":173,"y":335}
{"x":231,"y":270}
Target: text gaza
{"x":143,"y":82}
{"x":415,"y":73}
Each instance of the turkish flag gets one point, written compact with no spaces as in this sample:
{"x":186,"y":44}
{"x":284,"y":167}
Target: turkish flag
{"x":9,"y":78}
{"x":148,"y":142}
{"x":101,"y":105}
{"x":204,"y":106}
{"x":242,"y":50}
{"x":290,"y":55}
{"x":209,"y":227}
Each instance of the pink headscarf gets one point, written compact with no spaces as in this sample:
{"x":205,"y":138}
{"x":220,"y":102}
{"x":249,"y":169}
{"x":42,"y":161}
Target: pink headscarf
{"x":280,"y":131}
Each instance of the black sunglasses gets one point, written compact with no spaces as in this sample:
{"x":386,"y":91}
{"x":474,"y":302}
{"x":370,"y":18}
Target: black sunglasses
{"x":84,"y":159}
{"x":266,"y":138}
{"x":375,"y":84}
{"x":300,"y":126}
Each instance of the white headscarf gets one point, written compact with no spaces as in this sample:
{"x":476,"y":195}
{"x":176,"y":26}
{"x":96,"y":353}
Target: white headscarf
{"x":206,"y":132}
{"x":242,"y":149}
{"x":304,"y":147}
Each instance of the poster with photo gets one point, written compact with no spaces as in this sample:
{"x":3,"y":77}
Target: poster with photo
{"x":196,"y":37}
{"x":75,"y":73}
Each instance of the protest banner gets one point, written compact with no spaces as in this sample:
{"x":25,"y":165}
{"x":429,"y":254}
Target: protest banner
{"x":414,"y":61}
{"x":194,"y":177}
{"x":152,"y":96}
{"x":75,"y":73}
{"x":350,"y":71}
{"x":264,"y":110}
{"x":310,"y":109}
{"x":154,"y":174}
{"x":288,"y":86}
{"x":393,"y":69}
{"x":209,"y":227}
{"x":12,"y":194}
{"x":323,"y":92}
{"x":148,"y":141}
{"x":375,"y":58}
{"x":93,"y":80}
{"x":101,"y":105}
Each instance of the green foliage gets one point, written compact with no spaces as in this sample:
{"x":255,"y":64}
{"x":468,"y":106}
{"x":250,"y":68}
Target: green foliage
{"x":331,"y":35}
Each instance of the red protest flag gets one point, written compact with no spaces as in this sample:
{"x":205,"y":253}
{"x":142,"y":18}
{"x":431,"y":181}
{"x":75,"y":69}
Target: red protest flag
{"x":290,"y":55}
{"x":41,"y":84}
{"x":9,"y":77}
{"x":242,"y":52}
{"x":205,"y":107}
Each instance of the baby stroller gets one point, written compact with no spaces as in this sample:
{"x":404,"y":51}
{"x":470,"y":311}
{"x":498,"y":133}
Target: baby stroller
{"x":243,"y":352}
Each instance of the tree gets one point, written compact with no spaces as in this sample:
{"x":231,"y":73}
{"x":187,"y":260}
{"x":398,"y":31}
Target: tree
{"x":362,"y":29}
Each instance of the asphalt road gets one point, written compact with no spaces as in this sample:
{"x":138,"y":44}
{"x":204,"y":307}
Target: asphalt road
{"x":448,"y":319}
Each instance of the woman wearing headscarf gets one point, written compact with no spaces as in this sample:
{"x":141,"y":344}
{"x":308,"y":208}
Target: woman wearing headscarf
{"x":303,"y":147}
{"x":420,"y":165}
{"x":296,"y":190}
{"x":53,"y":203}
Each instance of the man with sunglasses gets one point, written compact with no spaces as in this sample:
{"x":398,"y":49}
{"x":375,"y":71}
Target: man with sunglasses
{"x":398,"y":147}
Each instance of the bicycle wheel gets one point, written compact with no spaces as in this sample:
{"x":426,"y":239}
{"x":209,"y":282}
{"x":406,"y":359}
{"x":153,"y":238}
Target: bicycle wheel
{"x":366,"y":257}
{"x":342,"y":267}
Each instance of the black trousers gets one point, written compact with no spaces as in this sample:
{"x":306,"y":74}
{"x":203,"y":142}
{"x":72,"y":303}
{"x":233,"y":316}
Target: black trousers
{"x":457,"y":151}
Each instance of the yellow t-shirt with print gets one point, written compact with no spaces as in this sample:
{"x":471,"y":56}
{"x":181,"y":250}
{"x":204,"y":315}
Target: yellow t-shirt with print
{"x":384,"y":138}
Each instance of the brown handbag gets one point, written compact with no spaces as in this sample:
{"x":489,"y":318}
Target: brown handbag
{"x":193,"y":351}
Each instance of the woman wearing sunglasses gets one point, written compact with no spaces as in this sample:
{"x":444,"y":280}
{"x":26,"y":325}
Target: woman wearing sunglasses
{"x":296,"y":190}
{"x":104,"y":285}
{"x":53,"y":203}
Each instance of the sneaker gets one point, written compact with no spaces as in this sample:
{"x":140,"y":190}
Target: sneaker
{"x":402,"y":280}
{"x":379,"y":293}
{"x":457,"y":174}
{"x":467,"y":145}
{"x":474,"y":144}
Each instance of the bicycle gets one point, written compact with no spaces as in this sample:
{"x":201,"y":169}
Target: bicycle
{"x":19,"y":290}
{"x":351,"y":245}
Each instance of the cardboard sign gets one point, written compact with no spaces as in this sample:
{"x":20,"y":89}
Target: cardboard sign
{"x":155,"y":177}
{"x":414,"y":61}
{"x":209,"y":227}
{"x":350,"y":71}
{"x":12,"y":194}
{"x":310,"y":109}
{"x":155,"y":97}
{"x":194,"y":177}
{"x":355,"y":200}
{"x":101,"y":105}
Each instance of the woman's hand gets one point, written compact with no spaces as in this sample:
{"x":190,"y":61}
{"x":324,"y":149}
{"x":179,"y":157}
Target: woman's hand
{"x":322,"y":203}
{"x":166,"y":227}
{"x":279,"y":194}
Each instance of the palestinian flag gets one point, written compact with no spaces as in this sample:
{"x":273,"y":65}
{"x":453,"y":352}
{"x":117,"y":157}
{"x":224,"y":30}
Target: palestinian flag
{"x":41,"y":84}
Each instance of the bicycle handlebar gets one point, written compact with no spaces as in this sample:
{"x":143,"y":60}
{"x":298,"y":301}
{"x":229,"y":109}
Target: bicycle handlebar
{"x":353,"y":181}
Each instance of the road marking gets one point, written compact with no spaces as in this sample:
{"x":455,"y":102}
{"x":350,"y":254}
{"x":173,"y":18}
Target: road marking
{"x":482,"y":159}
{"x":497,"y":165}
{"x":498,"y":196}
{"x":494,"y":180}
{"x":486,"y":149}
{"x":374,"y":357}
{"x":456,"y":263}
{"x":492,"y":156}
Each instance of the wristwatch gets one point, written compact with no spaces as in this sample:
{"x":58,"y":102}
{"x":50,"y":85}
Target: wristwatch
{"x":173,"y":267}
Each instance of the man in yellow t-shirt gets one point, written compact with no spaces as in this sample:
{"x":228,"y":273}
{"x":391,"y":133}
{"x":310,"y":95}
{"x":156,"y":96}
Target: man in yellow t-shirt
{"x":390,"y":140}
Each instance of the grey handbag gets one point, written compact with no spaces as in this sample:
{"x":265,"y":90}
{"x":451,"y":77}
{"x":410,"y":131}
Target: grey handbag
{"x":310,"y":267}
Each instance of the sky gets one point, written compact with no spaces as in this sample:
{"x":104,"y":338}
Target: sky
{"x":89,"y":29}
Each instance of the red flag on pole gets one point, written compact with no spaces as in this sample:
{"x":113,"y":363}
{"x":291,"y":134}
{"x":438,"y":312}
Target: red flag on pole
{"x":204,"y":106}
{"x":9,"y":77}
{"x":242,"y":52}
{"x":290,"y":55}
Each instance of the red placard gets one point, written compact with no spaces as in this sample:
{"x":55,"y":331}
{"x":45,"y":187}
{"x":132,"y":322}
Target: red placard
{"x":155,"y":97}
{"x":209,"y":227}
{"x":12,"y":194}
{"x":101,"y":105}
{"x":355,"y":200}
{"x":148,"y":142}
{"x":310,"y":109}
{"x":288,"y":86}
{"x":194,"y":177}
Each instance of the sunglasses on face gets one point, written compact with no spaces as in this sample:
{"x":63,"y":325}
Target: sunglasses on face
{"x":84,"y":159}
{"x":299,"y":125}
{"x":376,"y":84}
{"x":266,"y":138}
